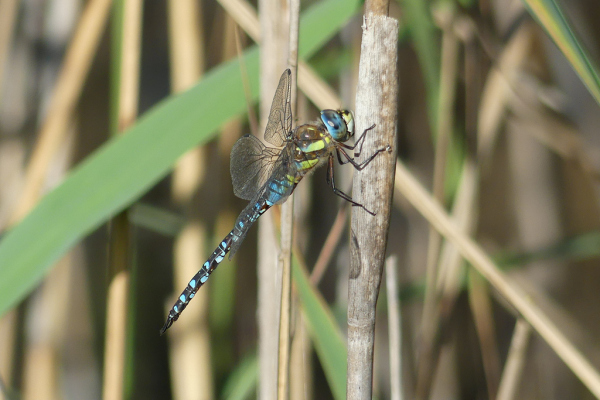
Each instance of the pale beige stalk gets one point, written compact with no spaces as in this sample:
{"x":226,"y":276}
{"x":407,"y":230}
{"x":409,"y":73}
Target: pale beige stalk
{"x":120,"y":245}
{"x":189,"y":338}
{"x":376,"y":103}
{"x":274,"y":25}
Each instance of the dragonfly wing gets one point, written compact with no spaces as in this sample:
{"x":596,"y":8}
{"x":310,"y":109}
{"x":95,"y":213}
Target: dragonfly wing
{"x":251,"y":164}
{"x":280,"y":118}
{"x":272,"y":191}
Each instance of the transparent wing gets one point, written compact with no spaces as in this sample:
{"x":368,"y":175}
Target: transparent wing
{"x":280,"y":118}
{"x":251,"y":164}
{"x":281,"y":169}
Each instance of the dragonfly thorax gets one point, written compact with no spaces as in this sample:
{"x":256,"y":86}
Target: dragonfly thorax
{"x":311,"y":142}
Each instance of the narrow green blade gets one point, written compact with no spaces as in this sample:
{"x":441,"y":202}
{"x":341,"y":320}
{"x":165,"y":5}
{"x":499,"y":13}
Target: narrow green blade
{"x":551,"y":18}
{"x":326,"y":335}
{"x":127,"y":166}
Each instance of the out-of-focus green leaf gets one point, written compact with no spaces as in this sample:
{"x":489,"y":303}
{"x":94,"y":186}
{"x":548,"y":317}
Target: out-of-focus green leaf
{"x":126,"y":166}
{"x":419,"y":22}
{"x":578,"y":248}
{"x":242,"y":382}
{"x":326,"y":335}
{"x":551,"y":18}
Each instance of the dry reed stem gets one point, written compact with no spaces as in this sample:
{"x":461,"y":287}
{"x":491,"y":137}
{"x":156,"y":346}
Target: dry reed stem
{"x":498,"y":88}
{"x":394,"y":327}
{"x":46,"y":347}
{"x":480,"y":302}
{"x":481,"y":309}
{"x":8,"y":346}
{"x":273,"y":60}
{"x":8,"y":14}
{"x":68,"y":88}
{"x":407,"y":186}
{"x":4,"y":389}
{"x":190,"y":357}
{"x":120,"y":240}
{"x":285,"y":313}
{"x":130,"y":64}
{"x":114,"y":348}
{"x":315,"y":88}
{"x":287,"y":225}
{"x":301,"y":365}
{"x":377,"y":7}
{"x":268,"y":307}
{"x":445,"y":125}
{"x":187,"y":54}
{"x":513,"y":369}
{"x":376,"y":103}
{"x":331,"y":242}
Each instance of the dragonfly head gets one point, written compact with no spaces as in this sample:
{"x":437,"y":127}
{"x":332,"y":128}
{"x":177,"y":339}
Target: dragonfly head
{"x":339,"y":124}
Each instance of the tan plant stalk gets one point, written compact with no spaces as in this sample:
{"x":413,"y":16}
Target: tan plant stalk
{"x":376,"y":103}
{"x":120,"y":245}
{"x":189,"y":339}
{"x":273,"y":61}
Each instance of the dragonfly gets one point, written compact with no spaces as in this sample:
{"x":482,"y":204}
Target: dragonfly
{"x":267,"y":176}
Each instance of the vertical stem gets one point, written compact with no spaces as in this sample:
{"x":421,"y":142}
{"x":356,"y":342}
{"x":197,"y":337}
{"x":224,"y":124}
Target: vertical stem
{"x":189,"y":339}
{"x":274,"y":44}
{"x":130,"y":27}
{"x":376,"y":103}
{"x":481,"y":308}
{"x":395,"y":330}
{"x":377,"y":7}
{"x":8,"y":17}
{"x":515,"y":361}
{"x":429,"y":350}
{"x":285,"y":320}
{"x":287,"y":227}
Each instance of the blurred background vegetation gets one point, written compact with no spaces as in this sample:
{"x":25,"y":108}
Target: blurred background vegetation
{"x":103,"y":220}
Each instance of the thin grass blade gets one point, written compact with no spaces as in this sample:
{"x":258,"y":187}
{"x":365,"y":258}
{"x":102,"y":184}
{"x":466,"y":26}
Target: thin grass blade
{"x":552,"y":19}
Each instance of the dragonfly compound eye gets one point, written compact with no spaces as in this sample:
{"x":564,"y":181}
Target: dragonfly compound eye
{"x":335,"y":124}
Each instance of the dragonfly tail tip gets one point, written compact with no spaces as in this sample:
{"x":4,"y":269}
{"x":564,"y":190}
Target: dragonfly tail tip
{"x":166,"y":326}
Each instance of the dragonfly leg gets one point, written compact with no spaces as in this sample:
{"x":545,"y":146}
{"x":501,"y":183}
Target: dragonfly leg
{"x":361,"y":140}
{"x":331,"y":182}
{"x":362,"y":165}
